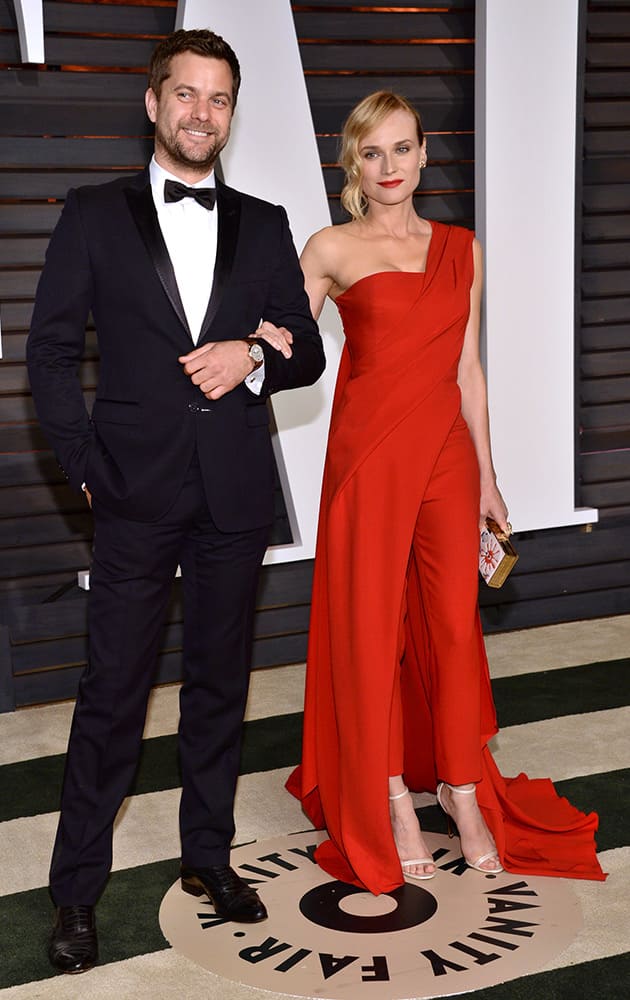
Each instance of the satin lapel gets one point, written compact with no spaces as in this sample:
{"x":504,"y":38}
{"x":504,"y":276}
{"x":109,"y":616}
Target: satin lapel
{"x":142,"y":208}
{"x":229,"y":209}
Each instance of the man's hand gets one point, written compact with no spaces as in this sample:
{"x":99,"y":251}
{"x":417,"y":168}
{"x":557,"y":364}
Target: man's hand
{"x":219,"y":367}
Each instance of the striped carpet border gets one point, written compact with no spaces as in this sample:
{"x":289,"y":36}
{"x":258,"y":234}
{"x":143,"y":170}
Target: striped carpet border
{"x":127,"y":914}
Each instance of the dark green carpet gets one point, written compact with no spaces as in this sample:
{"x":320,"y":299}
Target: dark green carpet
{"x":127,"y":922}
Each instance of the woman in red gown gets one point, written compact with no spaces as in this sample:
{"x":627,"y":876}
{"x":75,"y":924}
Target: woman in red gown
{"x":398,"y":693}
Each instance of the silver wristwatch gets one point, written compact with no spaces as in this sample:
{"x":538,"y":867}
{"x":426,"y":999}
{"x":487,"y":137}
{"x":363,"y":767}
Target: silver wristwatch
{"x":255,"y":352}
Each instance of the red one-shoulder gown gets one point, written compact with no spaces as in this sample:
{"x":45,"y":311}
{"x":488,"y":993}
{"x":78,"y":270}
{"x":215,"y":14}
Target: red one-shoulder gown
{"x":397,"y":676}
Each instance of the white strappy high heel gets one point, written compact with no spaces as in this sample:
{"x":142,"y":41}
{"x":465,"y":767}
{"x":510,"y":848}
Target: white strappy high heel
{"x":478,"y":862}
{"x":418,"y":861}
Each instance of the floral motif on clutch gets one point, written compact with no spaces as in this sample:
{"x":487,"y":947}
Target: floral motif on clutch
{"x":497,"y":555}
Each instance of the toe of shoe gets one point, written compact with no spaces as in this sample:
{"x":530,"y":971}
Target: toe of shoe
{"x":67,"y":962}
{"x":73,"y":956}
{"x":247,"y":911}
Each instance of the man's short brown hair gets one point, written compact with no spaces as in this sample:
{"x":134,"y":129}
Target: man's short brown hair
{"x":200,"y":41}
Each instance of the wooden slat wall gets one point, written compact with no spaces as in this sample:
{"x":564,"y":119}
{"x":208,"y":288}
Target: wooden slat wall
{"x":604,"y":270}
{"x":426,"y":53}
{"x":78,"y":119}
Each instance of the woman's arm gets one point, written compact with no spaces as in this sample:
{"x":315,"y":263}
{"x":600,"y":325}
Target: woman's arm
{"x":317,"y":257}
{"x":315,"y":262}
{"x":472,"y":384}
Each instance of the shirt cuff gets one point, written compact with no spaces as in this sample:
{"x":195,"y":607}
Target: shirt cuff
{"x":254,"y":382}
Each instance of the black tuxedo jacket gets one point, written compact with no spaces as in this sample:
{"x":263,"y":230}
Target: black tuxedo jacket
{"x":107,"y":255}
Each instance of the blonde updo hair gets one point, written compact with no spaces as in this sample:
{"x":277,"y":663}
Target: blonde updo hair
{"x":367,"y":115}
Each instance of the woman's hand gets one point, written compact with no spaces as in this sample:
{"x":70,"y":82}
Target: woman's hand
{"x":493,"y":505}
{"x":278,"y":336}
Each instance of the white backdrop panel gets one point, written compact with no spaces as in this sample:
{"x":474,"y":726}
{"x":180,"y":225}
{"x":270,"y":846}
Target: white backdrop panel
{"x":273,"y":154}
{"x":525,"y":185}
{"x":29,"y":15}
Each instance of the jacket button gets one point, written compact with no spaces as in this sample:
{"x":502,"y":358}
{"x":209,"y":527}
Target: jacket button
{"x":194,"y":407}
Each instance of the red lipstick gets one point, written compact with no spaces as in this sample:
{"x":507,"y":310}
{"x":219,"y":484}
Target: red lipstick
{"x":389,"y":184}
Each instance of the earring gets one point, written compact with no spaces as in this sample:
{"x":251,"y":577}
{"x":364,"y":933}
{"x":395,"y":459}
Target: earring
{"x":422,"y":164}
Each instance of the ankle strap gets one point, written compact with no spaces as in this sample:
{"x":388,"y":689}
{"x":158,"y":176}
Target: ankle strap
{"x":461,"y":791}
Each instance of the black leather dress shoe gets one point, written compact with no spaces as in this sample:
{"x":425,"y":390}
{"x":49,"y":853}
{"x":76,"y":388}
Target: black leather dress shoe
{"x":73,"y":944}
{"x":233,"y":899}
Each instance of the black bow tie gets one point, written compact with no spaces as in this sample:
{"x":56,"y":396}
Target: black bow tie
{"x":174,"y":191}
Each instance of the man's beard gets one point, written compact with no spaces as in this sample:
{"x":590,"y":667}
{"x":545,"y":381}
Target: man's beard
{"x":195,"y":158}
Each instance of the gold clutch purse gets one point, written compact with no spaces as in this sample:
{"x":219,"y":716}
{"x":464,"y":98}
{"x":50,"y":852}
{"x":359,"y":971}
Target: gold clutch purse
{"x":497,"y":555}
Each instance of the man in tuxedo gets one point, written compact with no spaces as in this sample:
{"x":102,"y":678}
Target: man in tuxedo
{"x":200,"y":314}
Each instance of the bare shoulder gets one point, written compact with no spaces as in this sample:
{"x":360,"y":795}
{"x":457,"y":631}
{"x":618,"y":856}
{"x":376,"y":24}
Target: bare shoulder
{"x":469,"y":244}
{"x":326,"y":240}
{"x":324,"y":249}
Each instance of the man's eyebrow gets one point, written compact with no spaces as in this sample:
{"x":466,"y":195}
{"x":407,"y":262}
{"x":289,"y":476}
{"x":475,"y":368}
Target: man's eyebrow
{"x":215,"y":93}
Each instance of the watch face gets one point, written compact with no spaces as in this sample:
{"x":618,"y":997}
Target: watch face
{"x":256,"y":353}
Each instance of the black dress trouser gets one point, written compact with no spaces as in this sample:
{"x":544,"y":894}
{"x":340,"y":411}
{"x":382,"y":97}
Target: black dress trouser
{"x":132,"y":572}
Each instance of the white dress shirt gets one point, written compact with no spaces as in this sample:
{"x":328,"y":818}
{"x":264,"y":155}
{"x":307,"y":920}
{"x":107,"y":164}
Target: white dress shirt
{"x":190,"y":234}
